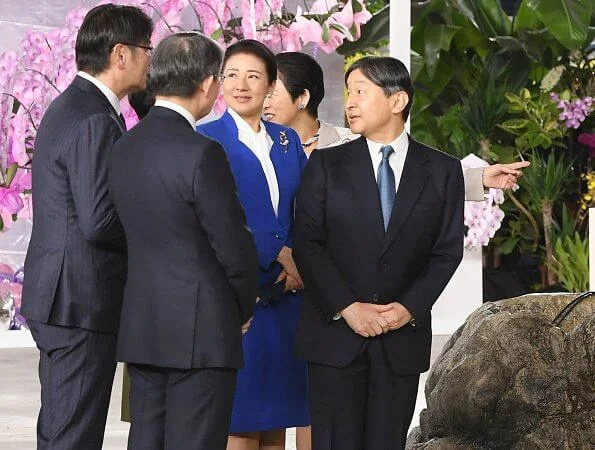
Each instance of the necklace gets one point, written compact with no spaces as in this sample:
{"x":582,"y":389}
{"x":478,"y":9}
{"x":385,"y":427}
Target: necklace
{"x":310,"y":141}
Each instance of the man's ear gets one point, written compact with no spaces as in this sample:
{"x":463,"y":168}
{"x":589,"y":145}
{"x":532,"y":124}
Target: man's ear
{"x":399,"y":101}
{"x":119,"y":56}
{"x":205,"y":86}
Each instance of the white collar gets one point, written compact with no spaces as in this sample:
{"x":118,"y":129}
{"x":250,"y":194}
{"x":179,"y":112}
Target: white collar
{"x":111,"y":97}
{"x":179,"y":109}
{"x":243,"y":126}
{"x":399,"y":144}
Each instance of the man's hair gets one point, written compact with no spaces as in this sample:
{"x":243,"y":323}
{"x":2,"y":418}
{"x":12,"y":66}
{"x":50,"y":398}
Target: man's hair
{"x":388,"y":73}
{"x":104,"y":27}
{"x":181,"y":62}
{"x":255,"y":48}
{"x":299,"y":72}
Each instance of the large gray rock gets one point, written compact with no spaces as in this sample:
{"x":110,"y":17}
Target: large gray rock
{"x":509,"y":379}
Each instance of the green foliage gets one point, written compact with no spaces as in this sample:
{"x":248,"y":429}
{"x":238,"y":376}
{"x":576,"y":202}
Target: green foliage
{"x":571,"y":262}
{"x":547,"y":179}
{"x":536,"y":122}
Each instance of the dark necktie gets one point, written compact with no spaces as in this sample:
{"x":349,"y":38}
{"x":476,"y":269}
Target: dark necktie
{"x":386,"y":185}
{"x":123,"y":121}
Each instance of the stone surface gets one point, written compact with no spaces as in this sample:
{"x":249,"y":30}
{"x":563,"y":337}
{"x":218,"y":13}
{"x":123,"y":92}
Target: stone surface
{"x":509,"y":379}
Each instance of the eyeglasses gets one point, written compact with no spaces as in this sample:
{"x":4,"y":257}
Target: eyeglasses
{"x":148,"y":48}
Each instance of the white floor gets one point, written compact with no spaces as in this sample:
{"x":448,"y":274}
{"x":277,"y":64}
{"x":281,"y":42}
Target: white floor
{"x":19,"y":398}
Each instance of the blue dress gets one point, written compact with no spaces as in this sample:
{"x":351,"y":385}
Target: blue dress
{"x":271,"y":391}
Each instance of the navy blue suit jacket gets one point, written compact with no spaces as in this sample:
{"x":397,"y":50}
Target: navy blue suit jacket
{"x":76,"y":263}
{"x":192,"y":272}
{"x":344,"y":254}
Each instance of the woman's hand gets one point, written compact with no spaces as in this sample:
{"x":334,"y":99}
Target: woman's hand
{"x":293,"y":279}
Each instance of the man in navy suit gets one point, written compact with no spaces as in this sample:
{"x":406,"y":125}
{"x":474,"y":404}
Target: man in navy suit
{"x":193,"y":269}
{"x":76,"y":262}
{"x":379,"y":233}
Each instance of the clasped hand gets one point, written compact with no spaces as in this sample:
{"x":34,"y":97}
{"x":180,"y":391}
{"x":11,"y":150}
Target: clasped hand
{"x":369,"y":320}
{"x":290,"y":274}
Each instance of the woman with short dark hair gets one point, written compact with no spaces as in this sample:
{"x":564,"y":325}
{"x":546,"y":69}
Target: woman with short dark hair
{"x":267,"y":161}
{"x":295,"y":100}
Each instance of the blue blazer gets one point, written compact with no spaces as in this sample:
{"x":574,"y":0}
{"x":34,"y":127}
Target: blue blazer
{"x":270,"y":232}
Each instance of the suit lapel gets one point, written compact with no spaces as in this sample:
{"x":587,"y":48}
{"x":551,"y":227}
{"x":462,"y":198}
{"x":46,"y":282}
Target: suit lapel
{"x":85,"y":85}
{"x":238,"y":146}
{"x":361,"y":173}
{"x":413,"y":180}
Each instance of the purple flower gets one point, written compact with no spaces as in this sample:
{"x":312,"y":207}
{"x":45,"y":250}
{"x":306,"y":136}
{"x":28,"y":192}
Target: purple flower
{"x":10,"y":200}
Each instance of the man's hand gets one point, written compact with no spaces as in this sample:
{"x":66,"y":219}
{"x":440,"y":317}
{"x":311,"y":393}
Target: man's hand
{"x":503,"y":176}
{"x":397,"y":316}
{"x":366,"y":319}
{"x":246,"y":326}
{"x":285,"y":258}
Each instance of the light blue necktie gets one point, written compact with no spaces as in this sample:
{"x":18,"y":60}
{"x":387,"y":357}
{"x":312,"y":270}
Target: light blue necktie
{"x":386,"y":185}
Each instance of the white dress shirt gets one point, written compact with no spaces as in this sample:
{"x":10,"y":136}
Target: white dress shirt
{"x":179,"y":109}
{"x":260,"y":143}
{"x":111,"y":97}
{"x":396,"y":160}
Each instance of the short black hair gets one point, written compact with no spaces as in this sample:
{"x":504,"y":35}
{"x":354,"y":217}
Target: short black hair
{"x":181,"y":62}
{"x":388,"y":73}
{"x":105,"y":26}
{"x":141,"y":102}
{"x":299,"y":72}
{"x":255,"y":48}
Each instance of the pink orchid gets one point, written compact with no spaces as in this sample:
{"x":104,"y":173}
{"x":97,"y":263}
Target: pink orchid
{"x":10,"y":200}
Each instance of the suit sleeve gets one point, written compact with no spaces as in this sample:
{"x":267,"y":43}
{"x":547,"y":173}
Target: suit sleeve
{"x":474,"y":191}
{"x":446,"y":255}
{"x":87,"y":162}
{"x":321,"y":276}
{"x":221,"y":215}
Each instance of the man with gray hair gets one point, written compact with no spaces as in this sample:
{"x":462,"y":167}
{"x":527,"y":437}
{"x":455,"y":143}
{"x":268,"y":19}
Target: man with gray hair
{"x":192,"y":264}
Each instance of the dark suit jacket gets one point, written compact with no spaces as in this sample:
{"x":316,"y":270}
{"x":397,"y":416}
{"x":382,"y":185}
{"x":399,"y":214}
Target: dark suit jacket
{"x":76,"y":263}
{"x":192,"y":263}
{"x":344,"y":255}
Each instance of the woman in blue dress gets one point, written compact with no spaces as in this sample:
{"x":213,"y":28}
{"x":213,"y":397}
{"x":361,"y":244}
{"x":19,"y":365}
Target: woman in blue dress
{"x":267,"y":161}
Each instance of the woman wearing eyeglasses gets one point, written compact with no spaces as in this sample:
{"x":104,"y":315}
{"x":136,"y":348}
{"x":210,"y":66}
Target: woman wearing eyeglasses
{"x":267,"y":161}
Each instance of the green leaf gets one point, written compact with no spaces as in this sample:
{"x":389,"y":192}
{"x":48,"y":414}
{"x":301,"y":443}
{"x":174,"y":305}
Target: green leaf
{"x":417,"y":64}
{"x":469,"y":37}
{"x":509,"y":43}
{"x":488,"y":15}
{"x":525,"y":18}
{"x":16,"y":104}
{"x":325,"y":33}
{"x":1,"y":224}
{"x":436,"y":38}
{"x":507,"y":247}
{"x":217,"y":34}
{"x":567,"y":20}
{"x":515,"y":124}
{"x":10,"y":173}
{"x":376,"y":29}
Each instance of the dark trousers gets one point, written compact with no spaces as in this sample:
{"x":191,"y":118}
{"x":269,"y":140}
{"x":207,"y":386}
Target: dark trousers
{"x":174,"y":409}
{"x":76,"y":372}
{"x":363,"y":406}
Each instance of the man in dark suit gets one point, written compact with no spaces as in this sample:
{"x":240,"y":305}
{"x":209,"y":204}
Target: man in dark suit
{"x":192,"y":263}
{"x":76,"y":263}
{"x":379,"y":233}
